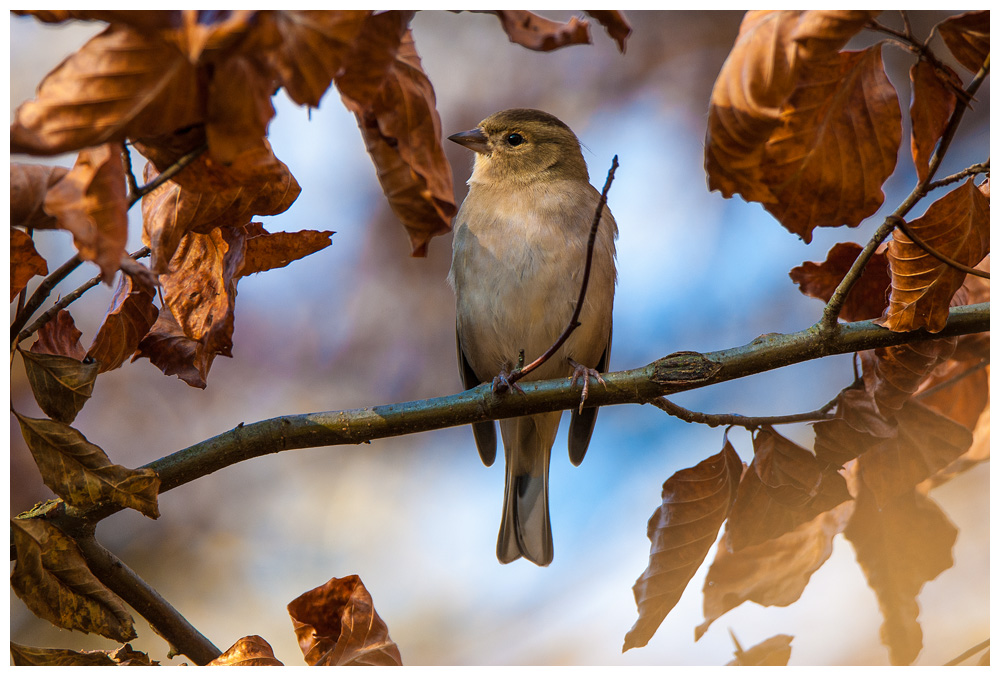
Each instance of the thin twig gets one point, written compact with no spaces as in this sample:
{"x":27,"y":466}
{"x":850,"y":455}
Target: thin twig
{"x":573,"y":321}
{"x":735,"y":419}
{"x":908,"y":231}
{"x":167,"y":174}
{"x":828,"y":322}
{"x":42,"y":292}
{"x":968,"y":653}
{"x":954,"y":379}
{"x":164,"y":618}
{"x":981,"y":168}
{"x":130,"y":181}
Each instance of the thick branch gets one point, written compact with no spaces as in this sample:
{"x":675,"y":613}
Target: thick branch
{"x":674,"y":373}
{"x":132,"y":589}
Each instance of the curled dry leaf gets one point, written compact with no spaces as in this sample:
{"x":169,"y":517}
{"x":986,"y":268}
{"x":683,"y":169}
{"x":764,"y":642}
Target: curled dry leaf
{"x":239,"y":108}
{"x":25,"y":261}
{"x":785,"y":487}
{"x":52,"y":578}
{"x":965,"y":391}
{"x":809,"y":132}
{"x":121,"y":83}
{"x":774,"y":573}
{"x":615,"y":24}
{"x":540,"y":34}
{"x":696,"y":501}
{"x":893,"y":374}
{"x":23,"y":655}
{"x":129,"y":319}
{"x":956,"y":225}
{"x":336,"y":625}
{"x":166,"y":346}
{"x":80,"y":472}
{"x":933,"y":103}
{"x":900,"y":546}
{"x":267,"y":251}
{"x":393,"y":100}
{"x":968,"y":37}
{"x":60,"y":336}
{"x":774,"y":652}
{"x":857,"y":426}
{"x":61,"y":385}
{"x":91,"y":202}
{"x":249,"y":651}
{"x":868,"y":297}
{"x":28,"y":185}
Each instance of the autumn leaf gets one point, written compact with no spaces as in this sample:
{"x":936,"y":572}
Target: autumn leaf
{"x":23,"y":655}
{"x":960,"y":391}
{"x":615,"y":24}
{"x":870,"y":293}
{"x":80,"y":472}
{"x":167,"y":348}
{"x":239,"y":108}
{"x":540,"y":34}
{"x":52,"y":578}
{"x":60,"y":336}
{"x":25,"y":262}
{"x":933,"y":103}
{"x":956,"y":225}
{"x":968,"y":37}
{"x":91,"y":202}
{"x":249,"y":651}
{"x":267,"y":251}
{"x":774,"y":652}
{"x":61,"y":385}
{"x":857,"y":426}
{"x":336,"y":625}
{"x":393,"y":100}
{"x":892,"y":374}
{"x":28,"y":185}
{"x":696,"y":501}
{"x":785,"y":487}
{"x":121,"y":83}
{"x":773,"y":573}
{"x":900,"y":545}
{"x":129,"y":319}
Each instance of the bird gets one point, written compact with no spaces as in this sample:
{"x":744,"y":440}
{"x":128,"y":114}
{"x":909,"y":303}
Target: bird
{"x":518,"y":255}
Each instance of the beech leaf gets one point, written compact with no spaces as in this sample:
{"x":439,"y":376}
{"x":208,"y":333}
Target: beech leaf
{"x":52,"y":578}
{"x":867,"y":298}
{"x":696,"y":501}
{"x":25,"y":261}
{"x":857,"y":426}
{"x":80,"y":472}
{"x":23,"y":655}
{"x":615,"y":24}
{"x":540,"y":34}
{"x":774,"y":652}
{"x":933,"y":103}
{"x":900,"y":545}
{"x":892,"y":374}
{"x":60,"y":336}
{"x":336,"y":625}
{"x":249,"y":651}
{"x":968,"y":37}
{"x":167,"y":348}
{"x":91,"y":202}
{"x":129,"y":319}
{"x":267,"y":251}
{"x":28,"y":185}
{"x":61,"y":385}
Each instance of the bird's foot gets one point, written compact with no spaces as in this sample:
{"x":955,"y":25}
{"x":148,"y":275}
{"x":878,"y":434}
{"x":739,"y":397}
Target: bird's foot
{"x":502,"y":383}
{"x":585,"y":372}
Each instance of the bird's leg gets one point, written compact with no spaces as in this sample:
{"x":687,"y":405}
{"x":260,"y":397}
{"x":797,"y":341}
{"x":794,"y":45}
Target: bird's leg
{"x":502,"y":383}
{"x":585,"y":372}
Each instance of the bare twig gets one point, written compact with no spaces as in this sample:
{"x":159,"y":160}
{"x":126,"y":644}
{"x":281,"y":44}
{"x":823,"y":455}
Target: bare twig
{"x":167,"y":174}
{"x":968,"y":653}
{"x":735,"y":419}
{"x":828,"y":322}
{"x":908,"y":231}
{"x":981,"y":168}
{"x":146,"y":601}
{"x":573,"y":321}
{"x":42,"y":292}
{"x":130,"y":181}
{"x":954,"y":379}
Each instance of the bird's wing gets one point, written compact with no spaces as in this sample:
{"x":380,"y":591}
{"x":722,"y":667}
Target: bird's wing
{"x":484,"y":432}
{"x":581,"y":425}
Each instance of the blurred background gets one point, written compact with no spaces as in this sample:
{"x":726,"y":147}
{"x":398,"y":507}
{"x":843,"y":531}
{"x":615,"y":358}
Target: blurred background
{"x":361,"y":323}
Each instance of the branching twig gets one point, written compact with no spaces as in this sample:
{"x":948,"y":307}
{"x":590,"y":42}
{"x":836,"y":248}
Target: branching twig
{"x":167,"y":174}
{"x":981,"y":168}
{"x":968,"y":653}
{"x":735,"y":419}
{"x":954,"y":379}
{"x":146,"y":601}
{"x":908,"y":231}
{"x":573,"y":323}
{"x":828,"y":322}
{"x":42,"y":292}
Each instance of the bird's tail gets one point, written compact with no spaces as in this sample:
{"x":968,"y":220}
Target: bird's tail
{"x":525,"y":529}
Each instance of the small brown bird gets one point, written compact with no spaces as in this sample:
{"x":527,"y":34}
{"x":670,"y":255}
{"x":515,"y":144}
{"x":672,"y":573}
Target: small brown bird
{"x":518,"y":257}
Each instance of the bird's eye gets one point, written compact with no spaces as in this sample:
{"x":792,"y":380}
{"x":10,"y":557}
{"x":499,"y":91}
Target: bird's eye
{"x":515,"y":139}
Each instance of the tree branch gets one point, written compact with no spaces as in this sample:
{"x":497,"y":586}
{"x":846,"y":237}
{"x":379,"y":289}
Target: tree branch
{"x":165,"y":620}
{"x":981,"y":168}
{"x":737,"y":420}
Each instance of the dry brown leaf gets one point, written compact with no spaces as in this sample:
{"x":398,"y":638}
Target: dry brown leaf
{"x":166,"y":346}
{"x":964,"y":397}
{"x":81,"y":473}
{"x":968,"y":37}
{"x":121,"y":83}
{"x":91,"y":202}
{"x":978,"y":453}
{"x":785,"y":487}
{"x":857,"y":426}
{"x":23,"y":655}
{"x":129,"y":319}
{"x":900,"y":546}
{"x":52,"y":578}
{"x":28,"y":185}
{"x":249,"y":651}
{"x":869,"y":295}
{"x":60,"y":336}
{"x":540,"y":34}
{"x":61,"y":385}
{"x":956,"y":225}
{"x":933,"y":103}
{"x":267,"y":251}
{"x":696,"y":501}
{"x":239,"y":108}
{"x":393,"y":100}
{"x":926,"y":443}
{"x":774,"y":652}
{"x":337,"y":625}
{"x":615,"y":24}
{"x":893,"y":374}
{"x":773,"y":573}
{"x":25,"y":261}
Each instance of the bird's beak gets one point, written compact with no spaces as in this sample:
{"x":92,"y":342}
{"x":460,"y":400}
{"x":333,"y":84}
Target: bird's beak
{"x":474,"y":139}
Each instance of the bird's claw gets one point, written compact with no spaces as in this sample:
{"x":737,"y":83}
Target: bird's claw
{"x":585,"y":372}
{"x":502,"y":383}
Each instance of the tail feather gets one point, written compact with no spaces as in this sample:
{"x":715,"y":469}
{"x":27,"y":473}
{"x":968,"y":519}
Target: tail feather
{"x":525,"y":529}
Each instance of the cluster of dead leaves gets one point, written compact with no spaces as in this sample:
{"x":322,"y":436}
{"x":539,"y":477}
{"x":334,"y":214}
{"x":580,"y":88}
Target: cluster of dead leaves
{"x":190,"y":91}
{"x":811,"y":132}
